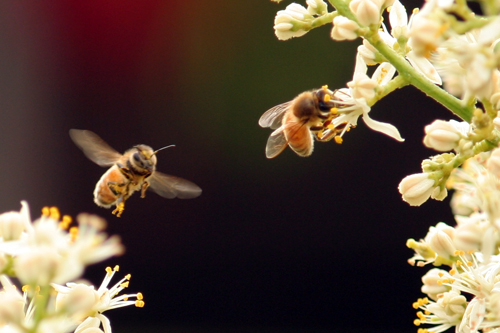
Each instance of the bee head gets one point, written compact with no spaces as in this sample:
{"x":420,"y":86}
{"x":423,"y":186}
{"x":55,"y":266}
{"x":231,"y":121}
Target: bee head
{"x":143,"y":158}
{"x":325,"y":100}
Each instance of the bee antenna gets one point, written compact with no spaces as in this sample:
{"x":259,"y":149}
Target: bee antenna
{"x":162,"y":149}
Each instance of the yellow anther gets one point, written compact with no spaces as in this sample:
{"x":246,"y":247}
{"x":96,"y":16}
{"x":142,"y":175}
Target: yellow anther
{"x":456,"y":253}
{"x":415,"y":10}
{"x":109,"y":270}
{"x":462,"y":253}
{"x":439,"y":282}
{"x":330,"y":126}
{"x":125,"y":298}
{"x":45,"y":211}
{"x":334,"y":110}
{"x":139,"y":304}
{"x":459,"y":263}
{"x":424,"y":300}
{"x":54,"y":213}
{"x":389,"y":9}
{"x":427,"y":312}
{"x":420,"y":315}
{"x":140,"y":296}
{"x":25,"y":288}
{"x":338,"y":139}
{"x":470,"y":263}
{"x":125,"y":284}
{"x":415,"y":305}
{"x":348,"y":129}
{"x":327,"y":98}
{"x":452,"y":281}
{"x":445,"y":281}
{"x":470,"y":252}
{"x":441,"y":274}
{"x":453,"y":271}
{"x":416,"y":322}
{"x":324,"y":87}
{"x":128,"y":276}
{"x":116,"y":268}
{"x":73,"y":231}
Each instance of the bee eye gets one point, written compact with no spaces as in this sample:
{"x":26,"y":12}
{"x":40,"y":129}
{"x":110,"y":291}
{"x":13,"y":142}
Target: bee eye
{"x":136,"y":157}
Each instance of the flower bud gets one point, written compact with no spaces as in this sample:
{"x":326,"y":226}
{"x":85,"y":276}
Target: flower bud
{"x":37,"y":267}
{"x":416,"y":189}
{"x":431,"y":286}
{"x":344,"y":29}
{"x":444,"y":135}
{"x":440,"y":239}
{"x":362,"y":86}
{"x":288,"y":23}
{"x":367,"y":11}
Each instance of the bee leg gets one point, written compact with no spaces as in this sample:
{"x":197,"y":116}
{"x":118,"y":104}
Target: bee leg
{"x":145,"y":186}
{"x":119,"y":209}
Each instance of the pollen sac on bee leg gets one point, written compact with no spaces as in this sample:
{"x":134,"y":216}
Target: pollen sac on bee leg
{"x":119,"y":209}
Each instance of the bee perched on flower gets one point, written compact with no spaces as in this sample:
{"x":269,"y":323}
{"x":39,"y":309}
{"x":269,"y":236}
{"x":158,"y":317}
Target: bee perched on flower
{"x":297,"y":122}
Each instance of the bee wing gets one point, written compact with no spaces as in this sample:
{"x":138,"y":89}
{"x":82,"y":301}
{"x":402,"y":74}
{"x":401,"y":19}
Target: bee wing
{"x":95,"y":148}
{"x":272,"y":118}
{"x":276,"y":143}
{"x":303,"y":147}
{"x":171,"y":187}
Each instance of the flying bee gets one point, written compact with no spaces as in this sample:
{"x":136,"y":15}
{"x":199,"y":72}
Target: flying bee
{"x":133,"y":171}
{"x":298,"y":121}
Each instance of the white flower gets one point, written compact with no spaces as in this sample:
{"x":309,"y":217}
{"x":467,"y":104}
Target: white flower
{"x":468,"y":62}
{"x":344,"y":29}
{"x":366,"y":11}
{"x":12,"y":304}
{"x":417,"y":188}
{"x":400,"y":26}
{"x":289,"y":23}
{"x":351,"y":108}
{"x":443,"y":314}
{"x":79,"y":300}
{"x":12,"y":224}
{"x":444,"y":135}
{"x":46,"y":253}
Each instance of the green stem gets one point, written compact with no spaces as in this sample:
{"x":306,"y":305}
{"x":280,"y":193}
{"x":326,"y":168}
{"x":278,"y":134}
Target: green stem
{"x":396,"y":83}
{"x":415,"y":78}
{"x":408,"y":73}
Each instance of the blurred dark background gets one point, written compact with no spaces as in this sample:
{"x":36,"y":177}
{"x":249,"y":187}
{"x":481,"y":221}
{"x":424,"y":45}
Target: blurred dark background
{"x":285,"y":245}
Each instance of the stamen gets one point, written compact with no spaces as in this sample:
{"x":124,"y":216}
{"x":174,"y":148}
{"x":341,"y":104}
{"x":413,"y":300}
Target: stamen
{"x":54,"y":213}
{"x":45,"y":211}
{"x":327,"y":98}
{"x":334,"y":111}
{"x":416,"y":322}
{"x":338,"y":139}
{"x":139,"y":304}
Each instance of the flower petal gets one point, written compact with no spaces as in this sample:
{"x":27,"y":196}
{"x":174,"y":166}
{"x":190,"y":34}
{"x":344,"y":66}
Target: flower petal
{"x":385,"y":128}
{"x":424,"y":66}
{"x":398,"y":16}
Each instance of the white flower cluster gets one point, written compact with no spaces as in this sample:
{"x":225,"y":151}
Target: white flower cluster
{"x":44,"y":255}
{"x":467,"y":296}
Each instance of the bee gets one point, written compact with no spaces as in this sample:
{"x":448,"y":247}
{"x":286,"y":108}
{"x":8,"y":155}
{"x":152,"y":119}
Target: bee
{"x":133,"y":171}
{"x":298,"y":122}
